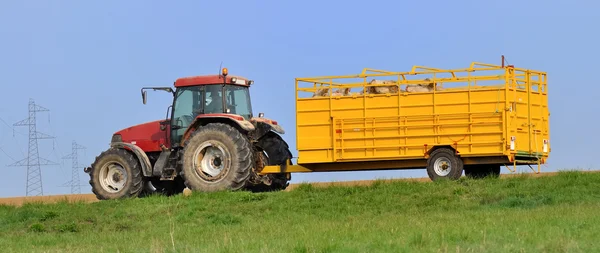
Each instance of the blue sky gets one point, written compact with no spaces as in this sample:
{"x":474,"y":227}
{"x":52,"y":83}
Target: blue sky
{"x":87,"y":60}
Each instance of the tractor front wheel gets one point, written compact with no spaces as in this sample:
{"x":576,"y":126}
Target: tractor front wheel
{"x":217,"y":157}
{"x":116,"y":174}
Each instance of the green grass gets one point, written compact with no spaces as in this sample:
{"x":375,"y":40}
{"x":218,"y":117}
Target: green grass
{"x":547,"y":214}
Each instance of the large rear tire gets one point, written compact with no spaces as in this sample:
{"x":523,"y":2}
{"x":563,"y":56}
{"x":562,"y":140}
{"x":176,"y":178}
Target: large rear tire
{"x":116,"y":174}
{"x":277,"y":153}
{"x":217,"y":157}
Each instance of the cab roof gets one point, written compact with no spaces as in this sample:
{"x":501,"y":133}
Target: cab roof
{"x":211,"y":79}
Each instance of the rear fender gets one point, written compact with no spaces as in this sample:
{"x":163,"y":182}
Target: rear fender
{"x":139,"y":153}
{"x":231,"y":119}
{"x":272,"y":124}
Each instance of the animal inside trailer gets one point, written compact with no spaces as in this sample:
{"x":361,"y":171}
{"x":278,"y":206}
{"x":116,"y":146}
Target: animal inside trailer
{"x":474,"y":119}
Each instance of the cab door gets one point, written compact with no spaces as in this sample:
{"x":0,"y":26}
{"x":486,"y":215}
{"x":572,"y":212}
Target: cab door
{"x":186,"y":106}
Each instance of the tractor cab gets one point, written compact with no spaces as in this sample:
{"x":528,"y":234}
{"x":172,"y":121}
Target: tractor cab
{"x":206,"y":96}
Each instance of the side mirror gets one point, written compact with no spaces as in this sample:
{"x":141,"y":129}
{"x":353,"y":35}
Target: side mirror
{"x":144,"y":97}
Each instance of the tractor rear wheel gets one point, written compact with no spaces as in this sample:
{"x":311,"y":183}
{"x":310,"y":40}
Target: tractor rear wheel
{"x":116,"y":174}
{"x":217,"y":157}
{"x":444,"y":163}
{"x":277,"y":153}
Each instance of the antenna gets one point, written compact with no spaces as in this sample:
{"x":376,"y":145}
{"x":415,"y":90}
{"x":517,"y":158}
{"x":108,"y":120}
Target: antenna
{"x":220,"y":68}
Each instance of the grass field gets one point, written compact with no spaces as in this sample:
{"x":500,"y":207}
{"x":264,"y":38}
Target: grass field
{"x":518,"y":214}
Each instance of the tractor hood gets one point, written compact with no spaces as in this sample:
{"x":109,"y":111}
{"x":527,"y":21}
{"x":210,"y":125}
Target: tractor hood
{"x":148,"y":136}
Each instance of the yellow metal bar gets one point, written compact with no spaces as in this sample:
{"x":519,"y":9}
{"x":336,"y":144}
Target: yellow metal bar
{"x":342,"y":139}
{"x":289,"y":169}
{"x":414,"y":70}
{"x":485,"y":67}
{"x":440,"y":144}
{"x":364,"y":111}
{"x":403,"y":158}
{"x":348,"y":166}
{"x":407,"y":106}
{"x":325,"y":80}
{"x":505,"y":136}
{"x":532,"y":169}
{"x":529,"y":127}
{"x":421,"y":135}
{"x":404,"y":125}
{"x":296,"y":116}
{"x":415,"y":116}
{"x":333,"y":137}
{"x":509,"y":169}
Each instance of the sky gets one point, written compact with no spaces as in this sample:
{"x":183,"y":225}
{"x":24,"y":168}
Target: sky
{"x":87,"y":60}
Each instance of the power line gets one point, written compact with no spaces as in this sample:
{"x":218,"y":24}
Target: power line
{"x":14,"y":131}
{"x":3,"y":151}
{"x":33,"y":162}
{"x":74,"y":183}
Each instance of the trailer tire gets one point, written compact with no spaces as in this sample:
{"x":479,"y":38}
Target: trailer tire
{"x":482,"y":171}
{"x":277,"y":153}
{"x":228,"y":164}
{"x":116,"y":174}
{"x":443,"y":163}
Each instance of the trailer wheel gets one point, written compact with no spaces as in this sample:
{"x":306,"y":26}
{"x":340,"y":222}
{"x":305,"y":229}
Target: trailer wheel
{"x":482,"y":171}
{"x":495,"y":170}
{"x":116,"y":174}
{"x":216,"y":157}
{"x":443,"y":163}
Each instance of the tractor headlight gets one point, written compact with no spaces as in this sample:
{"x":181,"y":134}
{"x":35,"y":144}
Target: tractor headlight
{"x":234,"y":79}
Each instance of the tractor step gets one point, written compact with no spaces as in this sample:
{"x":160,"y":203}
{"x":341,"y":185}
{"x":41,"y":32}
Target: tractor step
{"x":161,"y":163}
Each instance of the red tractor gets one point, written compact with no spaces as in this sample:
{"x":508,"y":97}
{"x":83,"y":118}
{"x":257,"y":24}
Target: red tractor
{"x":211,"y":142}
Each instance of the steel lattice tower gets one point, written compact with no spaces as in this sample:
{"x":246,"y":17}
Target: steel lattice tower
{"x":33,"y":162}
{"x":74,"y":183}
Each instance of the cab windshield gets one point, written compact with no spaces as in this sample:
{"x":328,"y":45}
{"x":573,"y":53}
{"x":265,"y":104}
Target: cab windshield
{"x":237,"y":100}
{"x":207,"y":99}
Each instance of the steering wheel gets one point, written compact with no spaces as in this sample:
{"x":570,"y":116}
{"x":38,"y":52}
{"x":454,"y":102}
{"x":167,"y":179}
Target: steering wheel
{"x":186,"y":120}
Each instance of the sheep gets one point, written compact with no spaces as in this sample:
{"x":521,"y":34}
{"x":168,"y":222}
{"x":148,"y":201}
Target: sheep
{"x":423,"y":87}
{"x":322,"y":92}
{"x":381,"y":89}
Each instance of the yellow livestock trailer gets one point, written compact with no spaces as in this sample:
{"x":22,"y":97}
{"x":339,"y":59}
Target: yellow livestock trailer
{"x":475,"y":119}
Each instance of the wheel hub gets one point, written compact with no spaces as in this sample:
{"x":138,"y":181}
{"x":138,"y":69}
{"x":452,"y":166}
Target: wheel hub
{"x":217,"y":161}
{"x":211,"y":161}
{"x":442,"y":166}
{"x":113,"y":177}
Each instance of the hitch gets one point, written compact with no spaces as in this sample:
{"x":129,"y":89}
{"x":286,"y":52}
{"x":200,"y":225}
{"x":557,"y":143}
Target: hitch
{"x":87,"y":170}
